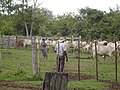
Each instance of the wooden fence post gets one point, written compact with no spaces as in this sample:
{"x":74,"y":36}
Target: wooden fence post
{"x":38,"y":47}
{"x":72,"y":38}
{"x":34,"y":57}
{"x":57,"y":58}
{"x":116,"y":69}
{"x":96,"y":56}
{"x":0,"y":61}
{"x":55,"y":81}
{"x":0,"y":56}
{"x":8,"y":45}
{"x":16,"y":39}
{"x":2,"y":41}
{"x":79,"y":57}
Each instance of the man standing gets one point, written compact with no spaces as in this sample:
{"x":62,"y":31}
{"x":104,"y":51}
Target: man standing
{"x":60,"y":50}
{"x":43,"y":48}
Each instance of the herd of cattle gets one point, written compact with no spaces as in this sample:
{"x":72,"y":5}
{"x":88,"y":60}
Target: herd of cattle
{"x":104,"y":48}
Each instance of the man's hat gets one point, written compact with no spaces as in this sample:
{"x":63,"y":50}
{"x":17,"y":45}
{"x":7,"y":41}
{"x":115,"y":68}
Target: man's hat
{"x":61,"y":39}
{"x":43,"y":38}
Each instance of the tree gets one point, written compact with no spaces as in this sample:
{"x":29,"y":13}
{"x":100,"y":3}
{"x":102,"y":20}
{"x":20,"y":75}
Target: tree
{"x":7,"y":6}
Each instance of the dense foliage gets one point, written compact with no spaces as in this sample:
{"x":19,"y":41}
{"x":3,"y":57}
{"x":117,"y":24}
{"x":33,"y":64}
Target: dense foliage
{"x":16,"y":18}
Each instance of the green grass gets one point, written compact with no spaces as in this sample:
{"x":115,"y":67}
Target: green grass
{"x":87,"y":85}
{"x":16,"y":64}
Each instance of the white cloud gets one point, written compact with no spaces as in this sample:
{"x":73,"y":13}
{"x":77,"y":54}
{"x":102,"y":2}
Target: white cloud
{"x":62,"y":6}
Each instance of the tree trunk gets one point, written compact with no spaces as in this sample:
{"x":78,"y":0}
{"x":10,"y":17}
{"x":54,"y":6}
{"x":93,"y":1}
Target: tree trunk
{"x":31,"y":27}
{"x":55,"y":81}
{"x":33,"y":13}
{"x":26,"y":28}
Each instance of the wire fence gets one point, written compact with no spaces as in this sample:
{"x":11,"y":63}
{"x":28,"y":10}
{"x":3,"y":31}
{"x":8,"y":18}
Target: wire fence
{"x":78,"y":67}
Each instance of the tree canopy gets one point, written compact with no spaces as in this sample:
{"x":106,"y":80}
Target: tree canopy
{"x":22,"y":19}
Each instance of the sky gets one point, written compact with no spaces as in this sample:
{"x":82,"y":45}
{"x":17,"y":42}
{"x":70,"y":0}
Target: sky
{"x":59,"y":7}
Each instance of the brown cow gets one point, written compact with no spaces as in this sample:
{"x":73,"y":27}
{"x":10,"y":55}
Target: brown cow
{"x":19,"y":43}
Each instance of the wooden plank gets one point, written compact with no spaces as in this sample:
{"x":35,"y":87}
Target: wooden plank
{"x":55,"y":81}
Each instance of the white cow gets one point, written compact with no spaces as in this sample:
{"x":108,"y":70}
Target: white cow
{"x":68,"y":44}
{"x":26,"y":42}
{"x":103,"y":49}
{"x":86,"y":48}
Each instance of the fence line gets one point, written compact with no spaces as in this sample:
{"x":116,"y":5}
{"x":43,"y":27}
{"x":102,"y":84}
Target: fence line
{"x":10,"y":41}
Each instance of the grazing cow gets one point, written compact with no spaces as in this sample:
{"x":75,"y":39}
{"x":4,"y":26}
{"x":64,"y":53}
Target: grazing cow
{"x":27,"y":42}
{"x":68,"y":44}
{"x":102,"y":43}
{"x":103,"y":49}
{"x":75,"y":44}
{"x":19,"y":42}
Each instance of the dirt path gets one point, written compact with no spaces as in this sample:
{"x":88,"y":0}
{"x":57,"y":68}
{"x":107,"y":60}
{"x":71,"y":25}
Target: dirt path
{"x":12,"y":85}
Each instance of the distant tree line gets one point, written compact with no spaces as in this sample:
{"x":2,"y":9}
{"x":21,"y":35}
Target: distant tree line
{"x":22,"y":19}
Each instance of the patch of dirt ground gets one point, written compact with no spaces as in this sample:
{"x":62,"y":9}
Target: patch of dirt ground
{"x":74,"y":76}
{"x":13,"y":85}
